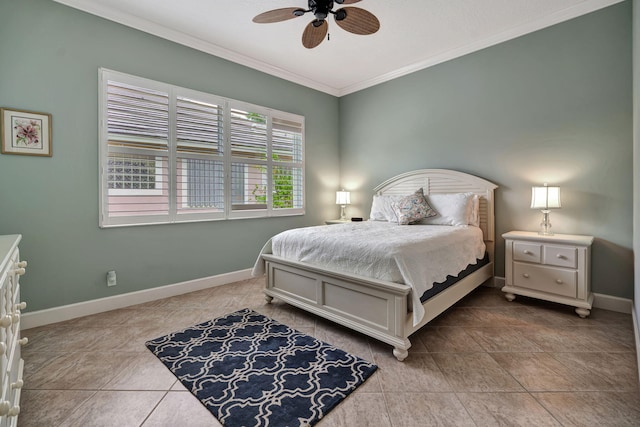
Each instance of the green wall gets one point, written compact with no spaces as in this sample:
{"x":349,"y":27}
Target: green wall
{"x":553,"y":106}
{"x":50,"y":58}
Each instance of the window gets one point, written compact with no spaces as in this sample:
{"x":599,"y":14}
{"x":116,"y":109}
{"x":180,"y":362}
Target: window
{"x":170,"y":154}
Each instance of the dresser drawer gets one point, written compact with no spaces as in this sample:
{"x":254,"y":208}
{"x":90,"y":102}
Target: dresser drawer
{"x":562,"y":256}
{"x":546,"y":279}
{"x":526,"y":251}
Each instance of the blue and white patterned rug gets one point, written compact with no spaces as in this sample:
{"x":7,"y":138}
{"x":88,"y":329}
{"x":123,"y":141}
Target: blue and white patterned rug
{"x":250,"y":370}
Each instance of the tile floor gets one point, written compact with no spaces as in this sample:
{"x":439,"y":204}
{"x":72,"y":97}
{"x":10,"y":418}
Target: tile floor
{"x":484,"y":362}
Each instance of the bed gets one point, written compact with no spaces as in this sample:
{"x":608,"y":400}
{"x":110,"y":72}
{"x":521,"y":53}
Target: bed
{"x":385,"y":307}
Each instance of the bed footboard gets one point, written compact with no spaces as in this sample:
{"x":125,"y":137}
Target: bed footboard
{"x":375,"y":308}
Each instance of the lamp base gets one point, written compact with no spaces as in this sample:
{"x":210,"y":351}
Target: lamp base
{"x":343,"y":217}
{"x":545,"y":225}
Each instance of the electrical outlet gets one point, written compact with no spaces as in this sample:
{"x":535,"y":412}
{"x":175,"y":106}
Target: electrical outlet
{"x":111,"y":278}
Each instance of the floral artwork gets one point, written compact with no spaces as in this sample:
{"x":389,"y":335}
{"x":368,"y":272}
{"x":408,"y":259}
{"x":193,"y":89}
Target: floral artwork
{"x":28,"y":133}
{"x":25,"y":132}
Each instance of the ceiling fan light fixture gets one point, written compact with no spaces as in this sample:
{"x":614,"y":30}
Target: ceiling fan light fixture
{"x":340,"y":14}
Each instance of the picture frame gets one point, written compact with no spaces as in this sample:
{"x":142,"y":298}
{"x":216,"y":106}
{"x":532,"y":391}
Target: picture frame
{"x":25,"y":133}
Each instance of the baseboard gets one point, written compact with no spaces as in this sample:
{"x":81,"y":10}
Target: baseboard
{"x":85,"y":308}
{"x":611,"y":303}
{"x":498,"y":282}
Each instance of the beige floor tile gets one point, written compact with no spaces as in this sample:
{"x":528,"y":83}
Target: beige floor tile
{"x":144,"y":371}
{"x":359,"y":409}
{"x":557,"y":338}
{"x":497,"y":339}
{"x":427,"y":409}
{"x":506,"y":409}
{"x":474,"y":372}
{"x":181,"y":408}
{"x":77,"y":371}
{"x":619,"y":370}
{"x":476,"y":345}
{"x":485,"y":296}
{"x":602,"y":409}
{"x":447,"y":339}
{"x":46,"y":408}
{"x":542,"y":372}
{"x":456,"y":316}
{"x":418,"y":372}
{"x":133,"y":407}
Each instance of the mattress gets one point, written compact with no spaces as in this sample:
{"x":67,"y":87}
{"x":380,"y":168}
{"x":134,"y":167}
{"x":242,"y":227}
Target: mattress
{"x":415,"y":255}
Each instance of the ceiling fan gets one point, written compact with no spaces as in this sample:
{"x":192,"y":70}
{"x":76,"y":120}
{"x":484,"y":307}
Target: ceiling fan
{"x":352,"y":19}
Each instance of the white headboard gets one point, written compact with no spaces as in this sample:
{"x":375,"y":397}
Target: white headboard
{"x":435,"y":181}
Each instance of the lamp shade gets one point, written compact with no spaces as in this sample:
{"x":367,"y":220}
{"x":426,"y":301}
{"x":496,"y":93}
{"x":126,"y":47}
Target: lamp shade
{"x":545,"y":197}
{"x":343,"y":198}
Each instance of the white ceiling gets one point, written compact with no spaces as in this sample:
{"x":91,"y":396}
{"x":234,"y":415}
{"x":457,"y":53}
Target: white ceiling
{"x":414,"y":34}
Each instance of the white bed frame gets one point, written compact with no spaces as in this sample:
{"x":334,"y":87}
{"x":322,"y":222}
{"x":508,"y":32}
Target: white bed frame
{"x":377,"y":308}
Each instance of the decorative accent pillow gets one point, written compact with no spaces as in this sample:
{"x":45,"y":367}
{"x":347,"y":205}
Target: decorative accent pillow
{"x":452,"y":209}
{"x":382,"y":208}
{"x":413,"y":208}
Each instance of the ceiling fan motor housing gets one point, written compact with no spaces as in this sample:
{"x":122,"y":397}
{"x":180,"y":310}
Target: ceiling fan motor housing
{"x":321,"y":8}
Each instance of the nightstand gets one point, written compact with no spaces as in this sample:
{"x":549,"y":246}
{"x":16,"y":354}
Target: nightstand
{"x":337,"y":221}
{"x":554,"y":268}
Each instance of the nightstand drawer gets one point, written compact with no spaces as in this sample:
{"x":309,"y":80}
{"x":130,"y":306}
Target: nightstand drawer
{"x":562,"y":256}
{"x":529,"y":252}
{"x":546,"y":279}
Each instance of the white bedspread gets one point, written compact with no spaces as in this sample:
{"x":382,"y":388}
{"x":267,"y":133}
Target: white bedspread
{"x":416,"y":255}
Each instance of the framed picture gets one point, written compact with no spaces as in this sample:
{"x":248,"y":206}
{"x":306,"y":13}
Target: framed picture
{"x":25,"y":132}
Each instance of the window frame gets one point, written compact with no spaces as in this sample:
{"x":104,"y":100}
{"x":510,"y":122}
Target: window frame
{"x":174,"y":155}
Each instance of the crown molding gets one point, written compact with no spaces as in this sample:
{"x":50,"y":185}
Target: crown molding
{"x":179,"y":37}
{"x":213,"y":49}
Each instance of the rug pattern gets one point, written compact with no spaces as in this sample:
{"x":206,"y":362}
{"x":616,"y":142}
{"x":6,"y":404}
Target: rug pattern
{"x":250,"y":370}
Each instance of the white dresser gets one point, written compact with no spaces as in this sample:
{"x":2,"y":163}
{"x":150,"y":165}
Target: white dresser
{"x":554,"y":268}
{"x":11,"y":364}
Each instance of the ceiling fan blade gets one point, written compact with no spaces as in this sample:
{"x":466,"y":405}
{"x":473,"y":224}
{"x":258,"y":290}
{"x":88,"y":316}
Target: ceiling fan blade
{"x":276,"y":15}
{"x":358,"y":21}
{"x":313,"y":35}
{"x":350,"y":1}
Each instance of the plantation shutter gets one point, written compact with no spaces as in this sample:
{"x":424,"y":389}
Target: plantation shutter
{"x":248,"y":141}
{"x":137,"y":167}
{"x":287,"y":168}
{"x":200,"y":155}
{"x":171,"y":154}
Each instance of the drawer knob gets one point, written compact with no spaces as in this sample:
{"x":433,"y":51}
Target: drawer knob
{"x":5,"y":321}
{"x":23,"y":341}
{"x":560,"y":256}
{"x":15,"y":411}
{"x":17,"y":384}
{"x":21,"y":264}
{"x":5,"y":406}
{"x":21,"y":306}
{"x":525,"y":275}
{"x":19,"y":271}
{"x":559,"y":282}
{"x":527,"y":252}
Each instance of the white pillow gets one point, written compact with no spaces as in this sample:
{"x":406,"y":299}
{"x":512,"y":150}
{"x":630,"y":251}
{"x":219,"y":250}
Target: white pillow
{"x":452,"y":209}
{"x":474,"y":218}
{"x":382,"y":208}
